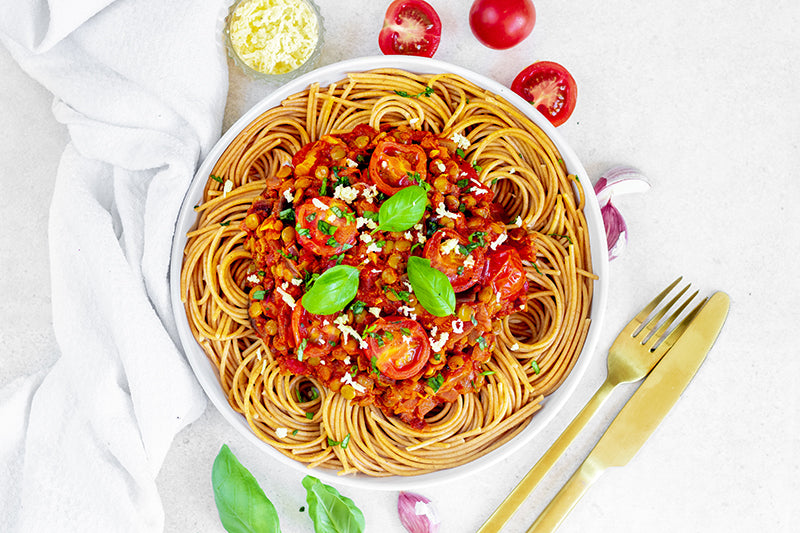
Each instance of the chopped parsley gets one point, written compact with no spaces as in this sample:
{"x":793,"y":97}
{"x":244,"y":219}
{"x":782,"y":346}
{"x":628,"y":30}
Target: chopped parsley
{"x":323,"y":190}
{"x":216,"y":178}
{"x":374,"y":362}
{"x":435,"y":382}
{"x":226,"y":223}
{"x":460,"y":153}
{"x":372,"y":215}
{"x":326,"y":228}
{"x":303,"y":232}
{"x":535,"y":367}
{"x":405,"y":331}
{"x":258,"y":295}
{"x":357,"y":307}
{"x":482,"y":342}
{"x":311,"y":216}
{"x":462,"y":183}
{"x":301,"y":349}
{"x":428,"y":91}
{"x":287,"y":215}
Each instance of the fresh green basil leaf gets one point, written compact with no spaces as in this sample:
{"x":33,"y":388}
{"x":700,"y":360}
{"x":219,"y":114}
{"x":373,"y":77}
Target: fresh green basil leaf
{"x":242,"y":505}
{"x":332,"y":291}
{"x":403,"y":209}
{"x":431,"y":286}
{"x":330,"y":511}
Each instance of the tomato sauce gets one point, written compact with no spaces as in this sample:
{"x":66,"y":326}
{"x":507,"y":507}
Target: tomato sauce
{"x":384,"y":348}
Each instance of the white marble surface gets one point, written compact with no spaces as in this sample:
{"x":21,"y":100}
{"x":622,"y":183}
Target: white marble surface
{"x":701,"y":97}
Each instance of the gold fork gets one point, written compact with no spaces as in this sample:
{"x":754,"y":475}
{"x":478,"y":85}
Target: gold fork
{"x":634,"y":353}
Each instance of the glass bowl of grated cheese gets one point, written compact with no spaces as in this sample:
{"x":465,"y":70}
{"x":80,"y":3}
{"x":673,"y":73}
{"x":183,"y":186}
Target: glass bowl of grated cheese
{"x":274,"y":40}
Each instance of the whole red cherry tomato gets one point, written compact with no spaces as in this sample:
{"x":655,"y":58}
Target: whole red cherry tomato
{"x":410,"y":27}
{"x":549,"y":88}
{"x":501,"y":24}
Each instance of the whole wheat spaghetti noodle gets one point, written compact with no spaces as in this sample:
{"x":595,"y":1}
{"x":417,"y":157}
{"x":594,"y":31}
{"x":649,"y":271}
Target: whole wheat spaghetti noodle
{"x":535,"y":348}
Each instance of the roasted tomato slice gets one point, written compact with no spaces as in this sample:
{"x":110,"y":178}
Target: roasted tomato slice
{"x":504,"y":272}
{"x":398,"y":346}
{"x":326,"y":226}
{"x":549,"y":88}
{"x":320,"y":338}
{"x":410,"y":27}
{"x":395,"y":166}
{"x":445,"y":251}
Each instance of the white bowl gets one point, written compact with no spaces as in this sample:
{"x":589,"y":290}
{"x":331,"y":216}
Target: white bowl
{"x":551,"y":406}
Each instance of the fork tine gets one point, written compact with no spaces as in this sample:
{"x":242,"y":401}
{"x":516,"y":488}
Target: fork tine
{"x":662,"y":329}
{"x":653,"y":322}
{"x":644,"y":313}
{"x":667,"y":343}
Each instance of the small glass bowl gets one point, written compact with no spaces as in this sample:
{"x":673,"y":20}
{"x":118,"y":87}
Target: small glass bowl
{"x":306,"y":66}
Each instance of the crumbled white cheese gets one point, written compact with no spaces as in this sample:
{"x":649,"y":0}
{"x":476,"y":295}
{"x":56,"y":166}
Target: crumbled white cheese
{"x":368,"y":222}
{"x":408,"y":311}
{"x":514,"y":347}
{"x":347,"y":360}
{"x":460,"y":140}
{"x":228,"y":187}
{"x":286,"y":297}
{"x":347,"y":379}
{"x":350,"y":163}
{"x":288,"y":195}
{"x":373,"y":247}
{"x":365,"y":237}
{"x":370,"y":192}
{"x":285,"y":285}
{"x":437,"y":345}
{"x":331,"y":218}
{"x":458,"y":326}
{"x":518,"y":221}
{"x":434,"y":329}
{"x":500,"y":240}
{"x":297,"y":282}
{"x":440,"y":166}
{"x":281,"y":433}
{"x":253,"y":278}
{"x":421,"y":238}
{"x":512,"y":170}
{"x":319,"y":204}
{"x":443,"y":212}
{"x":341,"y":323}
{"x":448,"y":246}
{"x":408,"y":236}
{"x":375,"y":311}
{"x":413,"y":121}
{"x":418,"y":226}
{"x":469,"y":261}
{"x":346,"y":193}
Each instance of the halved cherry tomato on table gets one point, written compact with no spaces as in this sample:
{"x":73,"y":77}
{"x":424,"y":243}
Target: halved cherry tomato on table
{"x":320,"y":338}
{"x":453,"y":263}
{"x":398,"y":346}
{"x":410,"y":27}
{"x":395,"y":166}
{"x":504,"y":272}
{"x":326,"y":226}
{"x":501,"y":24}
{"x":549,"y":88}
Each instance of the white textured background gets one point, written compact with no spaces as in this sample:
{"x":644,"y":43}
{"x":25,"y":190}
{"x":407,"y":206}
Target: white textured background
{"x":702,"y":96}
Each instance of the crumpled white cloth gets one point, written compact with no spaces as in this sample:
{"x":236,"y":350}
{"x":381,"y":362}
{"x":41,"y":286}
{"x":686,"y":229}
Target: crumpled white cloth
{"x":141,"y":86}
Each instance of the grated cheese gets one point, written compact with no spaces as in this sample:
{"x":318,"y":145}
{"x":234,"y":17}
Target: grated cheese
{"x":286,"y":297}
{"x":319,"y":204}
{"x":448,"y":246}
{"x":253,"y":278}
{"x":281,"y":433}
{"x":346,"y":193}
{"x":288,"y":195}
{"x":273,"y":36}
{"x":460,"y":140}
{"x":500,"y":240}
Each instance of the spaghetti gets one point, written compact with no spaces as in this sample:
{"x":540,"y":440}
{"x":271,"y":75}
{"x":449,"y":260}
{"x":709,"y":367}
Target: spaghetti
{"x":534,"y":347}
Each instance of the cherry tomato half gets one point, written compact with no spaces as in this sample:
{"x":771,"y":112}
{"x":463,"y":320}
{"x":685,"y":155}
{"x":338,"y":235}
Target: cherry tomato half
{"x":399,"y":346}
{"x":501,"y":24}
{"x":321,"y":152}
{"x":462,"y":273}
{"x":410,"y":27}
{"x":326,"y":226}
{"x":504,"y":272}
{"x":549,"y":88}
{"x":393,"y":164}
{"x":311,"y":327}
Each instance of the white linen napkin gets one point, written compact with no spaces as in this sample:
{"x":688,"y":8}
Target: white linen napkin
{"x":141,"y":86}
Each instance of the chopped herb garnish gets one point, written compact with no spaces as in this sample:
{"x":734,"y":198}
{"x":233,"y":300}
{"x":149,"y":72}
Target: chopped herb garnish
{"x":401,"y":295}
{"x":303,"y":232}
{"x":288,"y":256}
{"x":462,"y":183}
{"x":414,"y":246}
{"x":535,"y":367}
{"x":405,"y":331}
{"x":332,"y":242}
{"x":482,"y":342}
{"x":357,"y":307}
{"x":374,"y":362}
{"x":309,"y":415}
{"x":216,"y":178}
{"x":287,"y":215}
{"x":460,"y":270}
{"x":537,"y":268}
{"x":437,"y":356}
{"x":372,"y":215}
{"x":428,"y":91}
{"x":345,"y":441}
{"x":311,"y":216}
{"x":477,"y":167}
{"x":301,"y":348}
{"x":332,"y":442}
{"x":323,"y":189}
{"x":302,"y":507}
{"x":435,"y":382}
{"x":360,"y":158}
{"x":339,"y":258}
{"x":258,"y":295}
{"x":494,"y":181}
{"x":462,"y":208}
{"x":477,"y":237}
{"x":295,"y":433}
{"x":569,"y":240}
{"x":226,"y":223}
{"x":310,"y":278}
{"x":326,"y":228}
{"x":388,"y":335}
{"x":460,"y":153}
{"x":487,"y":373}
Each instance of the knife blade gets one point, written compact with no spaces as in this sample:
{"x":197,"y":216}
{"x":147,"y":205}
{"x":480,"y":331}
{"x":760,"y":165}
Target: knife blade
{"x":642,"y":414}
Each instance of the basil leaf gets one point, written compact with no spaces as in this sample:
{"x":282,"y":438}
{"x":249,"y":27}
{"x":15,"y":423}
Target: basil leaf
{"x":330,"y":511}
{"x":431,"y":286}
{"x":332,"y":291}
{"x":404,"y":209}
{"x":242,"y":505}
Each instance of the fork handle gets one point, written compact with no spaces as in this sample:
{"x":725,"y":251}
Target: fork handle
{"x":509,"y":506}
{"x":563,"y":502}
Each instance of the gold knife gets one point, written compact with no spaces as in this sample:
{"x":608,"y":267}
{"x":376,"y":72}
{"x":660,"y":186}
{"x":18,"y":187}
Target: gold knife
{"x":644,"y":411}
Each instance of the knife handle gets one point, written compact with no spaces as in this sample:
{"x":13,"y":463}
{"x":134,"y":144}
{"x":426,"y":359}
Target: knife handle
{"x":517,"y":497}
{"x":563,"y":502}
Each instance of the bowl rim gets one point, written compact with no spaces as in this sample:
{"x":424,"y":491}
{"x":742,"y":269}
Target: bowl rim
{"x":552,"y":405}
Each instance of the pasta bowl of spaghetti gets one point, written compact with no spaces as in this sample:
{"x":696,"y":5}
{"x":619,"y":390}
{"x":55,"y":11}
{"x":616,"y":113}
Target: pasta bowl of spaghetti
{"x":389,"y":270}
